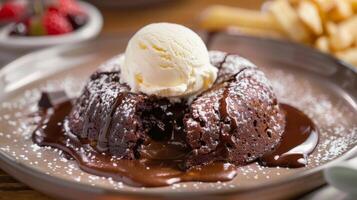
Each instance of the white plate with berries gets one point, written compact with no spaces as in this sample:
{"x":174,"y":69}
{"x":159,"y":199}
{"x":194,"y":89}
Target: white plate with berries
{"x":42,"y":23}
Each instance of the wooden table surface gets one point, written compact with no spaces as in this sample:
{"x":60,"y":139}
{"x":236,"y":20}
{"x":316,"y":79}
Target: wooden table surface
{"x":130,"y":19}
{"x":179,"y":11}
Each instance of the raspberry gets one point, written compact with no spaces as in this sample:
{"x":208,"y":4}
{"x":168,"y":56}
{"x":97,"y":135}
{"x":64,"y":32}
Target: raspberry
{"x":55,"y":23}
{"x":11,"y":11}
{"x":69,"y":7}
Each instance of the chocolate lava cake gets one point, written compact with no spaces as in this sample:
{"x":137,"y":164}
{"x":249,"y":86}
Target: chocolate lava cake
{"x":237,"y":120}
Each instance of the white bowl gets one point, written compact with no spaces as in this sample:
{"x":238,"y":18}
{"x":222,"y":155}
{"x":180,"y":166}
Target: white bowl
{"x":343,"y":176}
{"x":88,"y":31}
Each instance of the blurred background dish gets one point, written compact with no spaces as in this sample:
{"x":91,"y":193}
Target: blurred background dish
{"x":328,"y":25}
{"x":49,"y":28}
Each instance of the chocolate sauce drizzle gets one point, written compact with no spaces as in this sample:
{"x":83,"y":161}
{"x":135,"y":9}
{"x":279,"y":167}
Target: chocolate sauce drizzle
{"x":52,"y":131}
{"x":299,"y":140}
{"x":161,"y":161}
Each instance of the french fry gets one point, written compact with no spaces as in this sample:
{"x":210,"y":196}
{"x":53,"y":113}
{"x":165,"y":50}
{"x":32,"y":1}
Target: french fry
{"x":353,"y":4}
{"x":350,"y":25}
{"x":309,"y":14}
{"x":289,"y":20}
{"x":341,"y":40}
{"x":345,"y":34}
{"x":256,"y":32}
{"x":265,"y":6}
{"x":323,"y":44}
{"x":324,"y":5}
{"x":294,"y":2}
{"x":331,"y":28}
{"x":341,"y":10}
{"x":220,"y":17}
{"x":349,"y":56}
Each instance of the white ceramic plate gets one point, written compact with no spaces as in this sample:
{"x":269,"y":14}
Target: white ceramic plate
{"x":321,"y":86}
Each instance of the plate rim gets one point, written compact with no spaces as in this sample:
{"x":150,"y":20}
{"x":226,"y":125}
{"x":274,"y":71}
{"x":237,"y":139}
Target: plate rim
{"x":9,"y":161}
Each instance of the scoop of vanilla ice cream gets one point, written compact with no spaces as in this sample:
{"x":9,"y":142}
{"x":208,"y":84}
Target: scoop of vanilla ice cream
{"x":167,"y":60}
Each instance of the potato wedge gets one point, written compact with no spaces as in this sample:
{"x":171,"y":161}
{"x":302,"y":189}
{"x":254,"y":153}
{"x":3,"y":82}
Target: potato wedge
{"x":349,"y":56}
{"x":341,"y":40}
{"x":289,"y":20}
{"x":350,"y":25}
{"x":309,"y":14}
{"x":323,"y":44}
{"x":220,"y":17}
{"x":331,"y":28}
{"x":341,"y":10}
{"x":256,"y":32}
{"x":324,"y":5}
{"x":294,"y":3}
{"x":345,"y":34}
{"x":353,"y":4}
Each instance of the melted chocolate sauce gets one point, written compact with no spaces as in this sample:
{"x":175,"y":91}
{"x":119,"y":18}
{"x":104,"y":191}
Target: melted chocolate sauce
{"x":148,"y":171}
{"x":299,"y":140}
{"x":161,"y":161}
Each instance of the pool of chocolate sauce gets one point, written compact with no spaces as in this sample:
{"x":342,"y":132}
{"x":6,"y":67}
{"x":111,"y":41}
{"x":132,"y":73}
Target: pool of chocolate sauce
{"x":160,"y":165}
{"x":299,"y":140}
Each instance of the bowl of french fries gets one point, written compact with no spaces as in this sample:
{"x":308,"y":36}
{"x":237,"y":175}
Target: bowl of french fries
{"x":327,"y":25}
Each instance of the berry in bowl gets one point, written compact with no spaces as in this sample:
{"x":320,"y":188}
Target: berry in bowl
{"x":34,"y":24}
{"x":11,"y":11}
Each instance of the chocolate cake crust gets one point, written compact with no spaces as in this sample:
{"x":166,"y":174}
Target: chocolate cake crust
{"x":237,"y":120}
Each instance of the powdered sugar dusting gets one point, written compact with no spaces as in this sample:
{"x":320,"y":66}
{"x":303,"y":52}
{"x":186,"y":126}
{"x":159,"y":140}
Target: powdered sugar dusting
{"x":332,"y":114}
